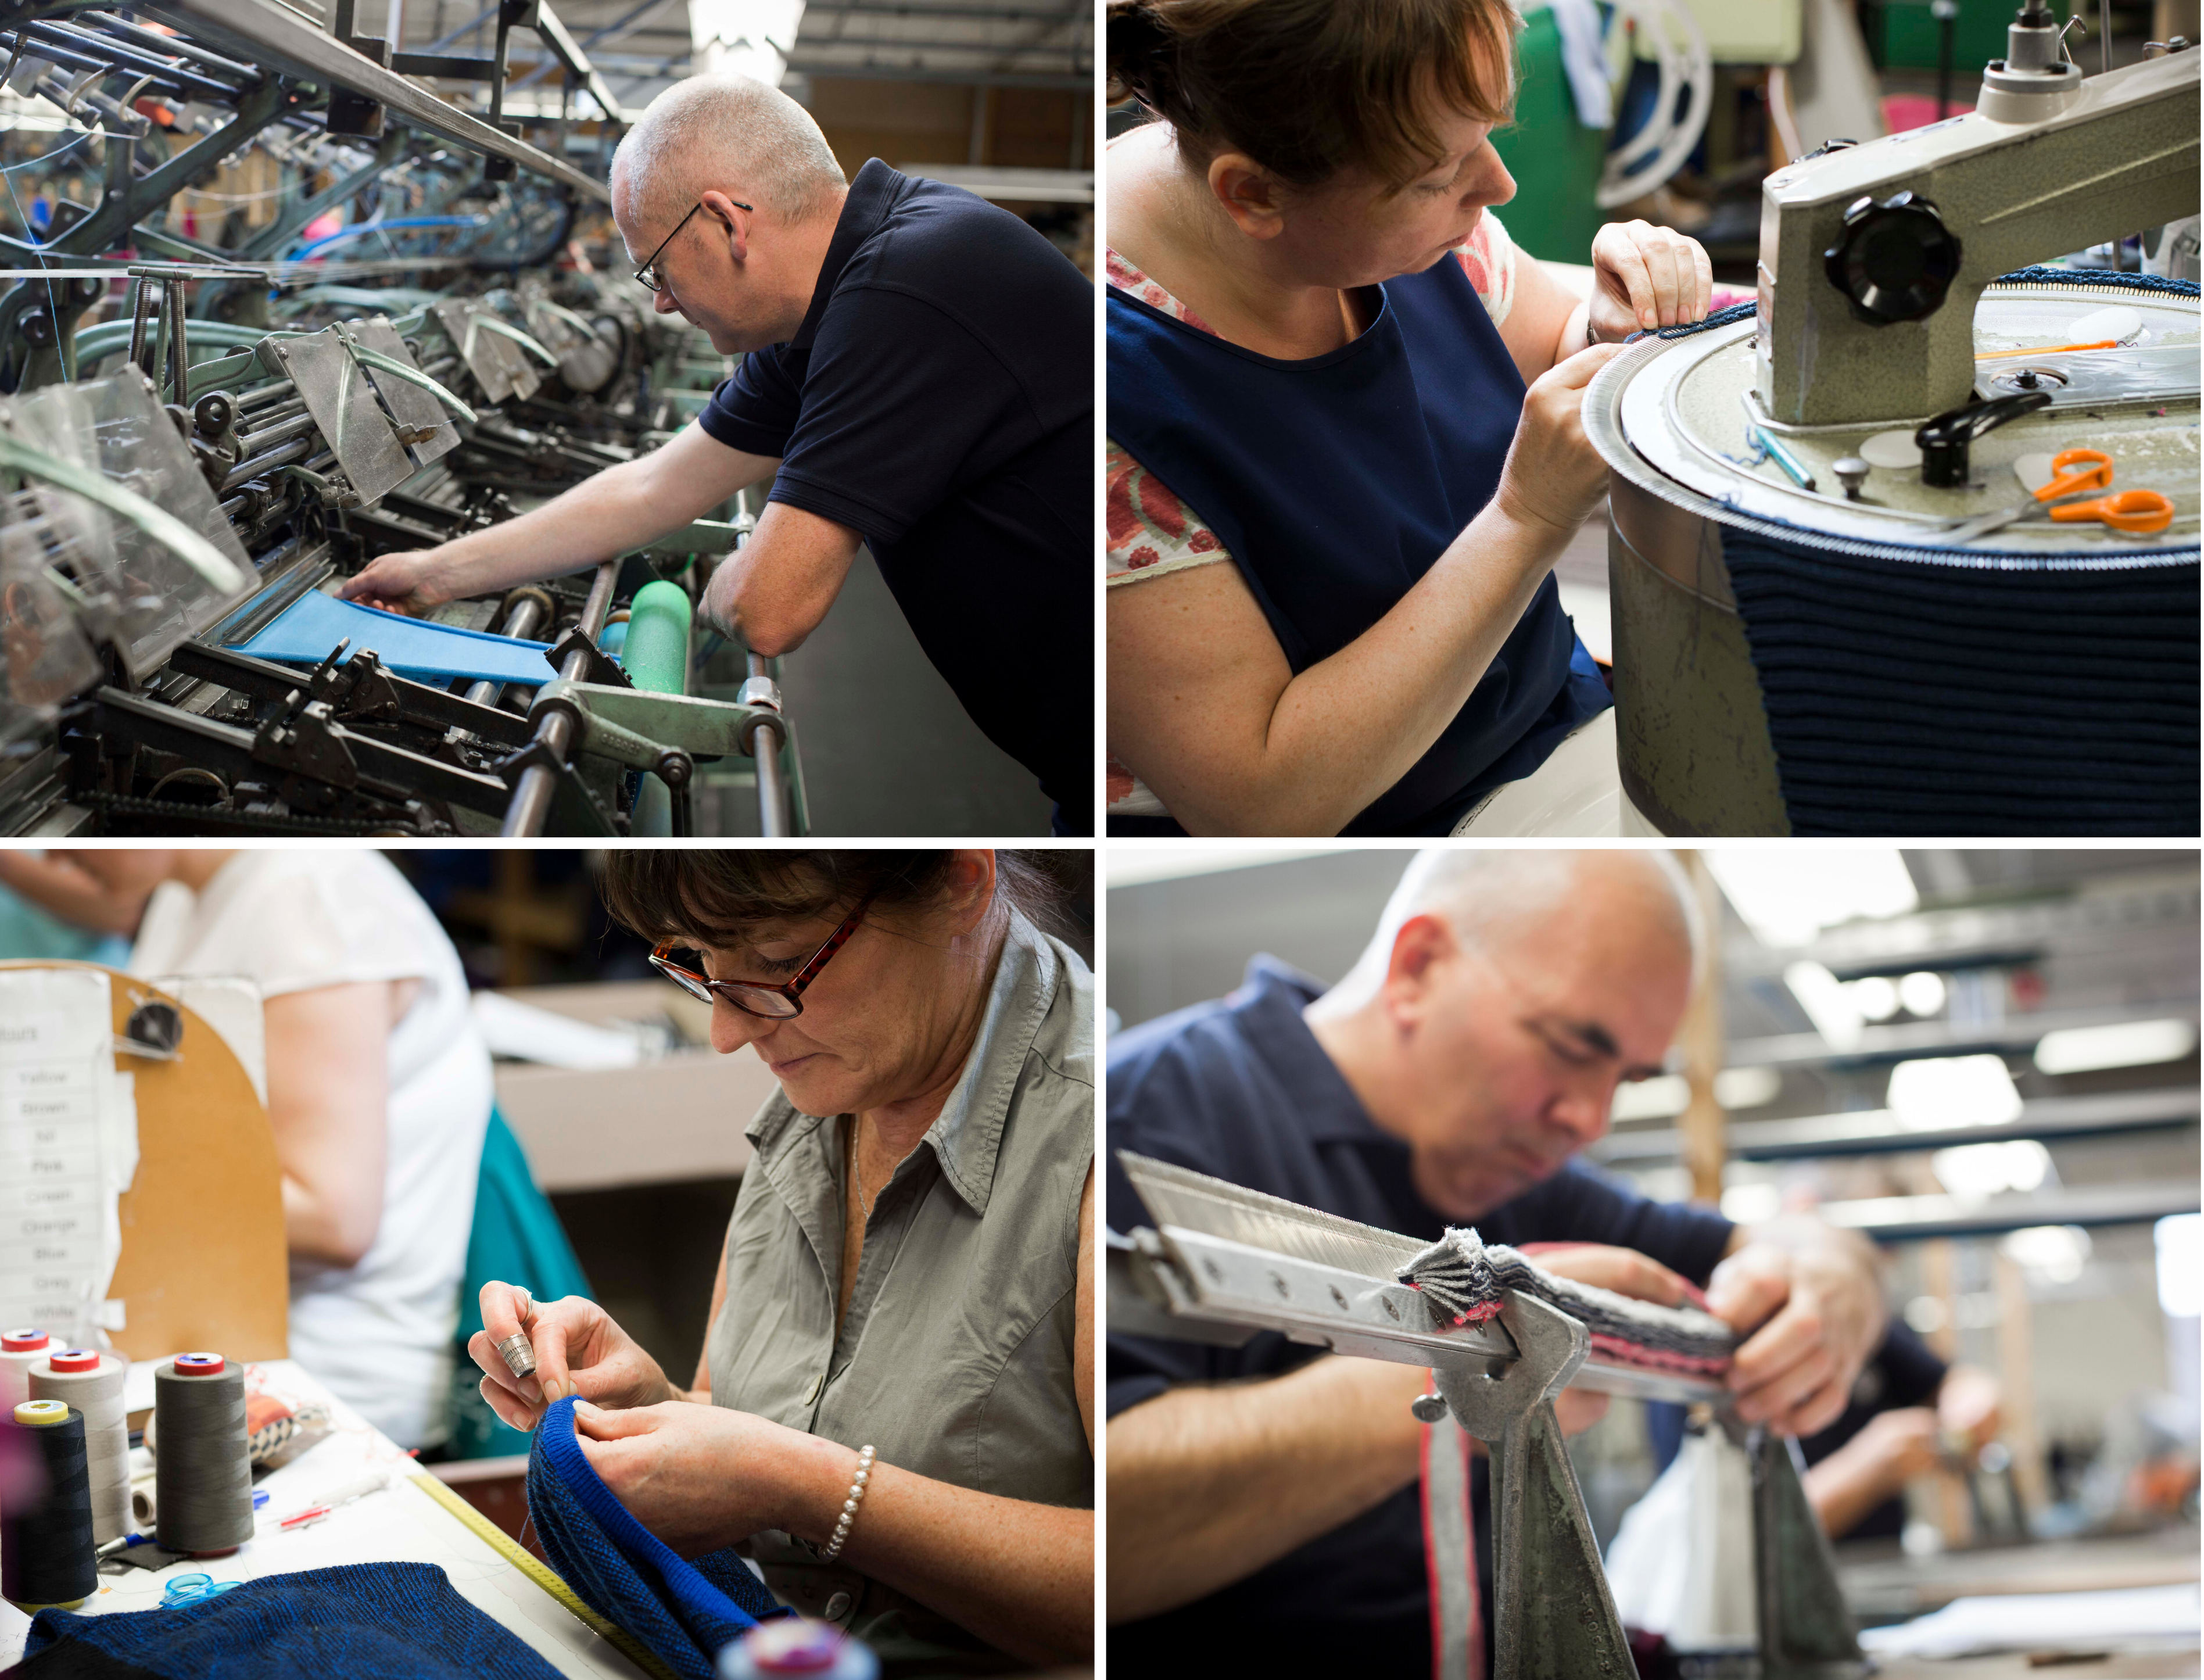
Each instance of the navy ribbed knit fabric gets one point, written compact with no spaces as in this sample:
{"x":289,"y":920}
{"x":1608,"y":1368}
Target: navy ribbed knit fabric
{"x":361,"y":1622}
{"x":684,"y":1610}
{"x":1927,"y":697}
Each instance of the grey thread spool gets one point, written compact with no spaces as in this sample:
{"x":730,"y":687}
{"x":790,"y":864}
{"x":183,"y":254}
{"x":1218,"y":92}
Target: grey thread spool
{"x":46,"y":1551}
{"x":203,"y":1483}
{"x":91,"y":1381}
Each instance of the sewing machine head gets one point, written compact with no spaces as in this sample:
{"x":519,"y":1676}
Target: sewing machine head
{"x":1872,"y":255}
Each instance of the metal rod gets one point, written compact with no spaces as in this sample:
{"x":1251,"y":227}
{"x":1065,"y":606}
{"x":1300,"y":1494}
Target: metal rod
{"x":773,"y":821}
{"x":178,"y":353}
{"x":265,"y":394}
{"x":531,"y":796}
{"x":519,"y":621}
{"x":246,"y":471}
{"x":141,"y":309}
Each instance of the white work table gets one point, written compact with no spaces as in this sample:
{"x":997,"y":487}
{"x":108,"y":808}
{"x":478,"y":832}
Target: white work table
{"x":403,"y":1524}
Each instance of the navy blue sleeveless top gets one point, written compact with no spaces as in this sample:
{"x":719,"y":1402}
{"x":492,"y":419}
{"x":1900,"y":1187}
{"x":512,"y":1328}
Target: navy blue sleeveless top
{"x":1335,"y":483}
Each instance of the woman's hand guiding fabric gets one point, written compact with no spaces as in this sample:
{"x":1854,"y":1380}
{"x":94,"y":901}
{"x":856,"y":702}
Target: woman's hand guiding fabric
{"x":578,"y":1350}
{"x":1646,"y":277}
{"x":1553,"y":476}
{"x":702,"y":1477}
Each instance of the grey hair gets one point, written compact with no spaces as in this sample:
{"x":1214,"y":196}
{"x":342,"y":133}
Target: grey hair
{"x":1484,"y":890}
{"x":732,"y":134}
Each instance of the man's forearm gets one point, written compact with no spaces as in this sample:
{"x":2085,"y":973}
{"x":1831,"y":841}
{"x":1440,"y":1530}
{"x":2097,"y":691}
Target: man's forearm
{"x":1208,"y":1485}
{"x":602,"y":516}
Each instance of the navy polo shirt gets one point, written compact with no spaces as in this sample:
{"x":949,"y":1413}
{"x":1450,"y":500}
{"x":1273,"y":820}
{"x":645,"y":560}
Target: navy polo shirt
{"x":938,"y":400}
{"x":1240,"y":1089}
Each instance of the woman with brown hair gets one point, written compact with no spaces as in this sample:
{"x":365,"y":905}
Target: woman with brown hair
{"x":1320,"y":347}
{"x":906,"y":1266}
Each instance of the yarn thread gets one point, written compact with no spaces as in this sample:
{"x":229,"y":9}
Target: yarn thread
{"x":97,"y":1393}
{"x":47,"y":1554}
{"x":203,"y":1481}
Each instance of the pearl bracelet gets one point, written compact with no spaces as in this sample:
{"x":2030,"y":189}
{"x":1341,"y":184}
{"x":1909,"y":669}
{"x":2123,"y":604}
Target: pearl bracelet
{"x":849,"y":1505}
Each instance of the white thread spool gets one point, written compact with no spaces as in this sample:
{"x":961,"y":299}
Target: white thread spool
{"x":91,"y":1381}
{"x":19,"y":1349}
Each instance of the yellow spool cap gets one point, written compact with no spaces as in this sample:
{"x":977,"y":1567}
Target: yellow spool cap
{"x":42,"y":1414}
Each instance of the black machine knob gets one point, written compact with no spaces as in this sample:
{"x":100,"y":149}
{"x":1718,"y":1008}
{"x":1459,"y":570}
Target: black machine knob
{"x":1895,"y":260}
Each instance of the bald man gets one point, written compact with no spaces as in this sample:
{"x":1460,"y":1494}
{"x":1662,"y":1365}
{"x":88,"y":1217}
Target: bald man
{"x":1265,"y":1507}
{"x":918,"y":378}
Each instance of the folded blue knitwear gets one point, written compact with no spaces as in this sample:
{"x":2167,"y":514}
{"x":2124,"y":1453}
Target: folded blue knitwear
{"x":305,"y":631}
{"x":362,"y":1622}
{"x":683,"y":1610}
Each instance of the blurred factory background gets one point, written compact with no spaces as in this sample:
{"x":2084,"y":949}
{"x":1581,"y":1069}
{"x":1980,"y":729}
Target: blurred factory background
{"x":1986,"y":1061}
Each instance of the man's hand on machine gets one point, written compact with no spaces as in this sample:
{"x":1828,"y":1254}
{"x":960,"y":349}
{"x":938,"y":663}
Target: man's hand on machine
{"x":406,"y":583}
{"x":578,"y":1350}
{"x":1810,"y":1298}
{"x":1647,"y":278}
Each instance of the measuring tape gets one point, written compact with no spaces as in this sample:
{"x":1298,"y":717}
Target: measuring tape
{"x":543,"y":1575}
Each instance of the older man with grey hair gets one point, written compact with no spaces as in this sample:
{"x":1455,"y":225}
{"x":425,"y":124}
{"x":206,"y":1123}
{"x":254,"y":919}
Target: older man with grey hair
{"x":919,"y":378}
{"x":1264,"y":1501}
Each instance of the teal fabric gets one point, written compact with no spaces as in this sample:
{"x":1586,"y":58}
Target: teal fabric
{"x":28,"y":934}
{"x":517,"y":1240}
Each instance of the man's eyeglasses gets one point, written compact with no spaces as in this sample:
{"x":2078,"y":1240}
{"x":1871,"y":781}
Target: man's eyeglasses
{"x":648,"y":274}
{"x":773,"y":1003}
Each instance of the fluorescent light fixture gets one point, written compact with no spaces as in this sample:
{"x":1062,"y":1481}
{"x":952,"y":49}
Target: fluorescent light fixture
{"x":2051,"y":1254}
{"x":1749,"y":1204}
{"x":2180,"y":1264}
{"x":1828,"y":1002}
{"x":2129,"y":1044}
{"x":1921,"y":993}
{"x":1654,"y":1098}
{"x":1939,"y":1091}
{"x":1874,"y":997}
{"x":1129,"y":867}
{"x":1747,"y":1087}
{"x":1975,"y":1170}
{"x":1787,"y":898}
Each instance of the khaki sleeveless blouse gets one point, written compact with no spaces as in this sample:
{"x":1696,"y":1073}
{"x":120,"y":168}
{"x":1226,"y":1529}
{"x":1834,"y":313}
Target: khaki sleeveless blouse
{"x":954,"y":1359}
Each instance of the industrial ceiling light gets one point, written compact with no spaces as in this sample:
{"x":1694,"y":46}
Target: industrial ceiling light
{"x":1875,"y":997}
{"x":1921,"y":993}
{"x":2048,"y":1253}
{"x":2180,"y":1264}
{"x":1787,"y":899}
{"x":1131,"y":866}
{"x":2128,"y":1044}
{"x":1953,"y":1090}
{"x":1979,"y":1170}
{"x":1828,"y":1004}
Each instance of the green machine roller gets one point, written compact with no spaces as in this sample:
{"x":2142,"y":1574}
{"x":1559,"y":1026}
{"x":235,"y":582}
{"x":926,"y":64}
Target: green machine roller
{"x":655,"y":656}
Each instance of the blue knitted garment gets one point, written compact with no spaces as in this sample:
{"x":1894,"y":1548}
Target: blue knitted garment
{"x":362,"y":1622}
{"x":683,"y":1611}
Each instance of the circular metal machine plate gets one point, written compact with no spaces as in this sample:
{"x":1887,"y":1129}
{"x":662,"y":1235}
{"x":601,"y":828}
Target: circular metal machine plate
{"x":1672,"y":416}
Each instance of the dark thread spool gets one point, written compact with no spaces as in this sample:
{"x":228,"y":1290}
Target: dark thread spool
{"x":47,"y":1554}
{"x":203,"y":1479}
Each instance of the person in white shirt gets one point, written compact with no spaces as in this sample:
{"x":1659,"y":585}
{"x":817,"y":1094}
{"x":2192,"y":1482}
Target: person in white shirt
{"x":379,"y":1087}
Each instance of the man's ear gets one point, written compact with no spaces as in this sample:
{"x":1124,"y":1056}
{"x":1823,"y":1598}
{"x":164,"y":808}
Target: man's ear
{"x":734,"y":221}
{"x":1420,"y":944}
{"x":1251,"y":194}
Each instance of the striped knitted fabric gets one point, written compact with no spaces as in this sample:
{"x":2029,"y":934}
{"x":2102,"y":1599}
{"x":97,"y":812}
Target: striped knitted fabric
{"x":360,"y":1622}
{"x":683,"y":1610}
{"x":1461,"y":1276}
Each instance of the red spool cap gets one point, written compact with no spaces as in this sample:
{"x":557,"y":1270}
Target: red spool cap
{"x":75,"y":1359}
{"x":199,"y":1364}
{"x":795,"y":1646}
{"x":23,"y":1341}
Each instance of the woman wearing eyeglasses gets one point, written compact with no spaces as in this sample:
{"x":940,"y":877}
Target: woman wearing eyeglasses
{"x":906,"y":1270}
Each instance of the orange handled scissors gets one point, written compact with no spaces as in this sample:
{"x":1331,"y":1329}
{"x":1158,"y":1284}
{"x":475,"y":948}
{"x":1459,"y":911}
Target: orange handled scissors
{"x":2074,"y":471}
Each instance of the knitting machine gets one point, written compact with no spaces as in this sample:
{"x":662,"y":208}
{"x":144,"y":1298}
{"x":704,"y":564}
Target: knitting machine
{"x":1856,"y":588}
{"x":1223,"y":1263}
{"x":220,"y":404}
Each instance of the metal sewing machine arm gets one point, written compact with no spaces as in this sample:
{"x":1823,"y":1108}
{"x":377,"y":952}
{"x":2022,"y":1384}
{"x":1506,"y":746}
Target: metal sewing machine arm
{"x":1873,"y":256}
{"x":1223,"y":1263}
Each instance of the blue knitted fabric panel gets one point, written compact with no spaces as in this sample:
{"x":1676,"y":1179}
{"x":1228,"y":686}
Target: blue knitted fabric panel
{"x":1919,"y":698}
{"x":361,"y":1622}
{"x":683,"y":1611}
